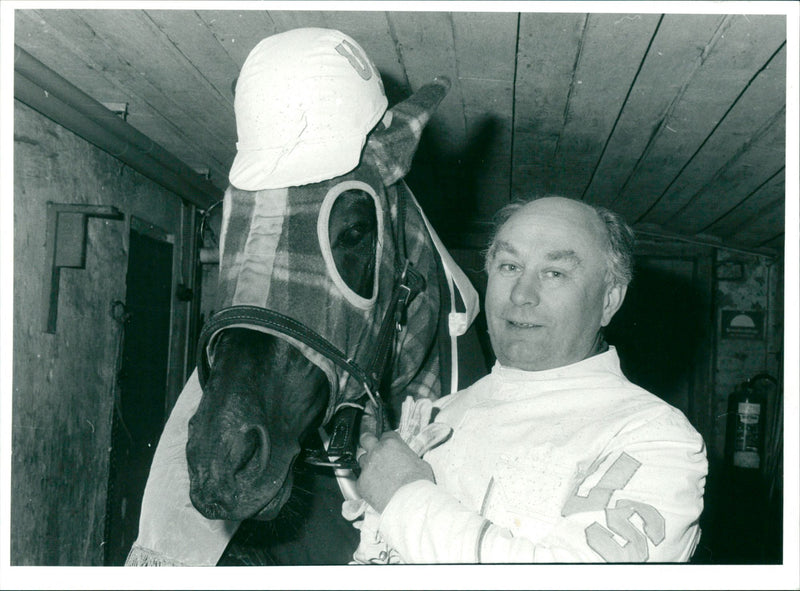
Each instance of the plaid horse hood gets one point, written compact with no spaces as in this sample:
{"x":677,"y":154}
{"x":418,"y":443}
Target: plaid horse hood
{"x":276,"y":255}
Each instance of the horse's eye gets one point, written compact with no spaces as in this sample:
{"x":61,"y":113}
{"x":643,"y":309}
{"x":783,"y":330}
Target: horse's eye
{"x":353,"y":233}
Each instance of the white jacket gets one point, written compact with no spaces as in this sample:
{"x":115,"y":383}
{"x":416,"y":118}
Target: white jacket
{"x":574,"y":464}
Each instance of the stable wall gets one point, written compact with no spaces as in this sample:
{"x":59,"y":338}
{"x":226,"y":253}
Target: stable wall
{"x":64,"y":383}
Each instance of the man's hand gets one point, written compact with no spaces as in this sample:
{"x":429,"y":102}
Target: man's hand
{"x":388,"y":464}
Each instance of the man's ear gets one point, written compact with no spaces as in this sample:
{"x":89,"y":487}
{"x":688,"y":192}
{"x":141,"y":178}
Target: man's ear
{"x":615,"y":295}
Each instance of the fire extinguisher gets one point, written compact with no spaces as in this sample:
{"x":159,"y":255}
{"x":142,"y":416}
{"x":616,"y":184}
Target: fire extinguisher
{"x":746,"y":421}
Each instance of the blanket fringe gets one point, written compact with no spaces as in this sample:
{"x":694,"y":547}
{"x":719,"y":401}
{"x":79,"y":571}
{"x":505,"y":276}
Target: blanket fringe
{"x":139,"y":556}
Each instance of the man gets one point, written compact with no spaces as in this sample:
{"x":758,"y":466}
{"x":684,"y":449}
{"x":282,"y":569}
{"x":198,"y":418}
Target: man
{"x":555,"y":456}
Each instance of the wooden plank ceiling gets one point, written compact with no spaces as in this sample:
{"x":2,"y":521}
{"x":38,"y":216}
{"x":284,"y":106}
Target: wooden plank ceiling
{"x":676,"y":121}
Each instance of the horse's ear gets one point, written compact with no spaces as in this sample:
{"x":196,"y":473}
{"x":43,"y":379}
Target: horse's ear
{"x":392,"y":145}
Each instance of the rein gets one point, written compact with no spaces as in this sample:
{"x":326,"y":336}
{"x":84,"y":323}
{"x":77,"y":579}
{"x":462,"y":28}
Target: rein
{"x":341,"y":450}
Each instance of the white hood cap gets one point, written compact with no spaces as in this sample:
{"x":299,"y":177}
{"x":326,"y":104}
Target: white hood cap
{"x":305,"y":101}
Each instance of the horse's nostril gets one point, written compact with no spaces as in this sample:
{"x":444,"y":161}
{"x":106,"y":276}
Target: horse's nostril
{"x":252,"y":448}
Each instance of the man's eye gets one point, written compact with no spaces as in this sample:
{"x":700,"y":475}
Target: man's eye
{"x":553,"y":274}
{"x":507,"y":267}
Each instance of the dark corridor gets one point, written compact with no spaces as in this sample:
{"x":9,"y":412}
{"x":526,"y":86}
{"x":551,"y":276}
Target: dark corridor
{"x":661,"y":332}
{"x":141,"y":386}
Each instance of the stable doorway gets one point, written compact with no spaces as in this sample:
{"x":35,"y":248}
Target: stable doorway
{"x":141,"y":389}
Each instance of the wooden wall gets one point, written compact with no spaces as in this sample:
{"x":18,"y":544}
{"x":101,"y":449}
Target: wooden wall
{"x":64,"y":383}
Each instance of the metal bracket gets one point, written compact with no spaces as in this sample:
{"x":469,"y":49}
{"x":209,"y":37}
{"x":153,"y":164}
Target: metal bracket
{"x":66,"y":247}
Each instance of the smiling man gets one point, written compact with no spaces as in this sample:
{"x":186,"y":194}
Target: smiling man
{"x":551,"y":286}
{"x":555,"y":456}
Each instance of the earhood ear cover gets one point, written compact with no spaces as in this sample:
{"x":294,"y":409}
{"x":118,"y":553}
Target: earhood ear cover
{"x":391,"y":147}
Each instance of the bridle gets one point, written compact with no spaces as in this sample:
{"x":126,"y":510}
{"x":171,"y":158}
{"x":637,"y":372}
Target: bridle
{"x":374,"y":376}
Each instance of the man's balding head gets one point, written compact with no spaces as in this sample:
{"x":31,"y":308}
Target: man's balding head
{"x":620,"y":238}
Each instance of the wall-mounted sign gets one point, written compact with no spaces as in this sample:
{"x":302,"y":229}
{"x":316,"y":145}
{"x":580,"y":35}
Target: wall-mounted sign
{"x":743,"y":324}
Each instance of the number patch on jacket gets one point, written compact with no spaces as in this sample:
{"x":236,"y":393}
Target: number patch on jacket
{"x":618,"y":518}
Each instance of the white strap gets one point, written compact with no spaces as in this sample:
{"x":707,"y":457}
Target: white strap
{"x":458,"y":322}
{"x":461,"y":321}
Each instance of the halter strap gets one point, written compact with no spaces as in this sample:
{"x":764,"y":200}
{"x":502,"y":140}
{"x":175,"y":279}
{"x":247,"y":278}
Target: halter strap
{"x":406,"y":288}
{"x":272,"y":320}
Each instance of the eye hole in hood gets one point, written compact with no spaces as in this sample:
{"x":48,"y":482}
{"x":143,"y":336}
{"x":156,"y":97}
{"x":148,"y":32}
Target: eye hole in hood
{"x":349,"y":227}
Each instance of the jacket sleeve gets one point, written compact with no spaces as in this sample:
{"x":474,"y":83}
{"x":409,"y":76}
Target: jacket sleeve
{"x":640,"y":501}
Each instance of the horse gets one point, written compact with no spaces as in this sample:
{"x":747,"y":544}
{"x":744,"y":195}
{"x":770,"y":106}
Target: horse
{"x":336,"y":301}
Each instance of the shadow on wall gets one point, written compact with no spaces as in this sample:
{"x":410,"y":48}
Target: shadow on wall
{"x":447,"y":184}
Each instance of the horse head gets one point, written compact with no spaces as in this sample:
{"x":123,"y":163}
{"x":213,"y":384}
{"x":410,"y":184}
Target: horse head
{"x":317,"y":262}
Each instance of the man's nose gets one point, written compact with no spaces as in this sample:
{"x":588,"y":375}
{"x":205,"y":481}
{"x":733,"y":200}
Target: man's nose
{"x":526,"y":290}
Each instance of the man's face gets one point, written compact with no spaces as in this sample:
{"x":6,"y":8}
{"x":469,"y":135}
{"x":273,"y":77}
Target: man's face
{"x":547,"y":296}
